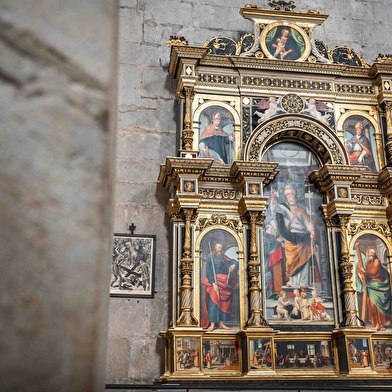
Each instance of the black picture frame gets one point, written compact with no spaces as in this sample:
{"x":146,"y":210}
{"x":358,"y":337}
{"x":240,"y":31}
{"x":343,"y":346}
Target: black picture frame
{"x":133,"y":265}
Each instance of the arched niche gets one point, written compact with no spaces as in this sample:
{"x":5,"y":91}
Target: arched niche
{"x":370,"y":128}
{"x":296,"y":249}
{"x":229,"y":124}
{"x":299,"y":145}
{"x":372,"y":275}
{"x":313,"y":135}
{"x":232,"y":248}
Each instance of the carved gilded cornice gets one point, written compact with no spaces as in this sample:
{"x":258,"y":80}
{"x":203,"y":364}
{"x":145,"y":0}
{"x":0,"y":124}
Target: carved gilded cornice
{"x":385,"y":179}
{"x":184,"y":200}
{"x":230,"y":73}
{"x":336,"y":182}
{"x":340,"y":208}
{"x":181,"y":54}
{"x":261,"y":15}
{"x":368,"y":180}
{"x":236,"y":173}
{"x":254,"y":64}
{"x":330,"y":175}
{"x":219,"y":174}
{"x":290,"y":66}
{"x":369,"y":212}
{"x":378,"y":68}
{"x":253,"y":204}
{"x":179,"y":51}
{"x":266,"y":171}
{"x":184,"y":52}
{"x":173,"y":167}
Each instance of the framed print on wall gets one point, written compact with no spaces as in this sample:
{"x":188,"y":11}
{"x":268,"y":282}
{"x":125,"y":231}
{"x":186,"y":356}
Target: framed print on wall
{"x":133,"y":265}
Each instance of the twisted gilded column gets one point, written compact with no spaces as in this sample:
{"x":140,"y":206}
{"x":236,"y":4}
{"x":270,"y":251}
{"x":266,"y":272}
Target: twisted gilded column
{"x":335,"y":181}
{"x":186,"y":317}
{"x":350,"y":317}
{"x":252,"y":206}
{"x":256,"y":318}
{"x":174,"y":175}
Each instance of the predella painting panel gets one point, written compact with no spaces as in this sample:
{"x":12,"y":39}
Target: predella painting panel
{"x":188,"y":355}
{"x":220,"y":355}
{"x":304,"y":354}
{"x":382,"y":352}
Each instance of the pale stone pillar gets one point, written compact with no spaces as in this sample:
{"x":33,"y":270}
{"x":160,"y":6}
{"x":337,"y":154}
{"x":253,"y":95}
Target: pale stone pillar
{"x":58,"y":79}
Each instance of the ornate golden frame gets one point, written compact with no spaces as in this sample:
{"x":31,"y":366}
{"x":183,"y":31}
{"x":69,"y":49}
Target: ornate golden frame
{"x":237,"y":76}
{"x":263,"y":36}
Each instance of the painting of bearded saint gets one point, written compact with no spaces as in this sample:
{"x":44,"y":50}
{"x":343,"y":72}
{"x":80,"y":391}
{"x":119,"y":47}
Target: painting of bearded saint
{"x":297,"y":272}
{"x":359,"y":142}
{"x":373,"y":282}
{"x":219,"y":281}
{"x":217,"y":139}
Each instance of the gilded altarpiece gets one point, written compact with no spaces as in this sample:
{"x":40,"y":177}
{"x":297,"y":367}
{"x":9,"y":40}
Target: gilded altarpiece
{"x":280,"y":209}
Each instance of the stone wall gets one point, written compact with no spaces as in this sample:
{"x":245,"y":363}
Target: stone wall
{"x":57,"y":114}
{"x":146,"y":135}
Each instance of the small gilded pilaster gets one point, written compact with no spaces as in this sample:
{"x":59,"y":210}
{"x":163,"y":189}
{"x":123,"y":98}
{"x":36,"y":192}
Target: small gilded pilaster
{"x":350,"y":318}
{"x":187,"y":133}
{"x":256,"y":318}
{"x":388,"y":111}
{"x":186,"y":317}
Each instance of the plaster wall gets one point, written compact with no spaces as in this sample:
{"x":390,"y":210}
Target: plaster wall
{"x":146,"y":135}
